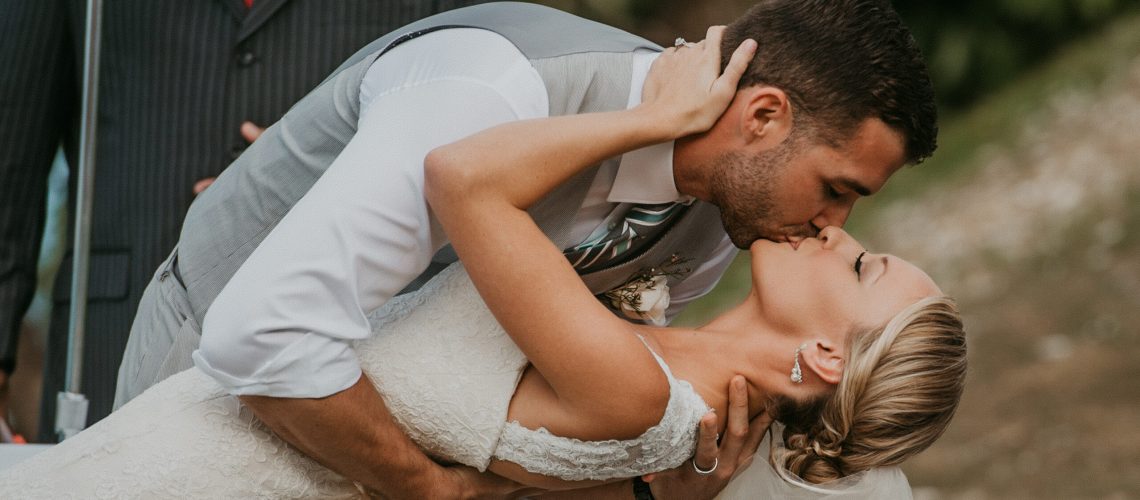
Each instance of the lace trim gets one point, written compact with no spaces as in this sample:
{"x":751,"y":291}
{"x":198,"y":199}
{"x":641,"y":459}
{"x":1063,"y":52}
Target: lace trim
{"x":661,"y":447}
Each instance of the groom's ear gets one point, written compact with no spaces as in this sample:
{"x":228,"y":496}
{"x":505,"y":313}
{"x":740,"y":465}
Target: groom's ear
{"x":825,"y":359}
{"x":766,"y":117}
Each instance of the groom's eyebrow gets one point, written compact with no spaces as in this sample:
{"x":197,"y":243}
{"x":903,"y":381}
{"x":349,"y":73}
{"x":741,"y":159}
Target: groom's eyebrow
{"x":855,"y":186}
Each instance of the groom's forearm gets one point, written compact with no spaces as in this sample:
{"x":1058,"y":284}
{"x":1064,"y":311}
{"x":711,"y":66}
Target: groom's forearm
{"x":352,"y":433}
{"x":620,"y":490}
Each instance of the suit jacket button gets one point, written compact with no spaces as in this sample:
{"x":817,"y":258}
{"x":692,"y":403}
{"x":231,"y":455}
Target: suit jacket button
{"x":246,"y":58}
{"x":236,"y":151}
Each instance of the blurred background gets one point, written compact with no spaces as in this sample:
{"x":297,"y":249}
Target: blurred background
{"x":1028,"y":214}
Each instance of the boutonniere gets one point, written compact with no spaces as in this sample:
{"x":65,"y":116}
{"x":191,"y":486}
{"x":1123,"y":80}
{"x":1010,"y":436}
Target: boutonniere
{"x":646,"y":295}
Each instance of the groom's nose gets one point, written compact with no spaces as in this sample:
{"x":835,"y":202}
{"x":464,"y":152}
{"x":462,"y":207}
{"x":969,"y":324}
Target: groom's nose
{"x":833,"y":215}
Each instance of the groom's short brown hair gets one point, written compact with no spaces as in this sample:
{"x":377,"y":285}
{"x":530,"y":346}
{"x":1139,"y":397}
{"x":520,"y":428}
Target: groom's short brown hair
{"x":841,"y":62}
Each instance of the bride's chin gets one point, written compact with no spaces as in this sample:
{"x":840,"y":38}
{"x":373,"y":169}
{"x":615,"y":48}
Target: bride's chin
{"x":760,"y":248}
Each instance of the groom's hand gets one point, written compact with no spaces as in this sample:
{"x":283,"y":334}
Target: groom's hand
{"x":460,"y":482}
{"x":734,"y":452}
{"x":471,"y":484}
{"x":250,"y":132}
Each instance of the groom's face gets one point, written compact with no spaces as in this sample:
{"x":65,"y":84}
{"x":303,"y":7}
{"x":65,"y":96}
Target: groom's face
{"x":792,"y":190}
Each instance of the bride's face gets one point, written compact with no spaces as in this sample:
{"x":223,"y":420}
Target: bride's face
{"x":815,"y":289}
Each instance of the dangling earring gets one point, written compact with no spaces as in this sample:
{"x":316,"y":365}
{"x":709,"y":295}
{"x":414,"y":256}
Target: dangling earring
{"x":797,"y":374}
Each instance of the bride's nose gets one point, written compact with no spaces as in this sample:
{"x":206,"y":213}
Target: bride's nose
{"x":836,"y":239}
{"x":833,"y":236}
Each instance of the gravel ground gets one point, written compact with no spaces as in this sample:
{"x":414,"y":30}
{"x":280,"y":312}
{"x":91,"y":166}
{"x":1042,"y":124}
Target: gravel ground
{"x":1041,"y":247}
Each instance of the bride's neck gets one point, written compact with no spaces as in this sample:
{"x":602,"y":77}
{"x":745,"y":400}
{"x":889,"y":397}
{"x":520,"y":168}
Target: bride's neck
{"x":735,"y":343}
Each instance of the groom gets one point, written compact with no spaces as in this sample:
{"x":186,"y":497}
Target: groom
{"x":834,"y":102}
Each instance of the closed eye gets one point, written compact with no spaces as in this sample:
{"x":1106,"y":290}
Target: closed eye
{"x":859,"y":264}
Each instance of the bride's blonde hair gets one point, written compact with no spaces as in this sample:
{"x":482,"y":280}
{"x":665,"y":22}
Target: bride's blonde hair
{"x":899,"y":390}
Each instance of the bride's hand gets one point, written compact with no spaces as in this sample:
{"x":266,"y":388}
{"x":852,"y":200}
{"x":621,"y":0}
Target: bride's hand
{"x":685,"y":88}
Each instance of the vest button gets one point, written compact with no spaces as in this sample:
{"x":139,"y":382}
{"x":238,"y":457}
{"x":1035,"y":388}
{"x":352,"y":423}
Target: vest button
{"x":246,"y":58}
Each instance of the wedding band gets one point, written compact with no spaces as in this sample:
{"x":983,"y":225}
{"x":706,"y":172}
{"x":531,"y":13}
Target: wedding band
{"x":679,"y":42}
{"x":716,"y":462}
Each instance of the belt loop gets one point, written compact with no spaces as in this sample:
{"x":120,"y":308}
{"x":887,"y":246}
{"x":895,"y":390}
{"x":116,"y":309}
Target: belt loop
{"x":173,"y":269}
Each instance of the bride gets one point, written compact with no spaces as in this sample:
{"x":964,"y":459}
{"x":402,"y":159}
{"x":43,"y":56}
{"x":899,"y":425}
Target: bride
{"x":509,"y":364}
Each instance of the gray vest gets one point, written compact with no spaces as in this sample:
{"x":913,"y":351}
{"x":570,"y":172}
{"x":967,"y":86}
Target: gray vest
{"x":585,"y":67}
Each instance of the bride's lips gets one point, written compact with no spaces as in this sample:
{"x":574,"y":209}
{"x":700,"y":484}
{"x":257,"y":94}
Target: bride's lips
{"x":794,"y":241}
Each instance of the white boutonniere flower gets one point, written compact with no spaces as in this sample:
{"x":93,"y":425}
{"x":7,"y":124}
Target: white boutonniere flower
{"x":645,"y":297}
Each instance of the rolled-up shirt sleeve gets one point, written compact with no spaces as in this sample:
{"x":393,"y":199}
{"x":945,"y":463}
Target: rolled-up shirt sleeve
{"x":285,"y":324}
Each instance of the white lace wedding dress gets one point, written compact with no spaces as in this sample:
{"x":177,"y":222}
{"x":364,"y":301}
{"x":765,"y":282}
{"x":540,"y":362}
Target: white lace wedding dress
{"x":446,"y":370}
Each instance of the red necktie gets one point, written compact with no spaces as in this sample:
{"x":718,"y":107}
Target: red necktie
{"x":248,"y":4}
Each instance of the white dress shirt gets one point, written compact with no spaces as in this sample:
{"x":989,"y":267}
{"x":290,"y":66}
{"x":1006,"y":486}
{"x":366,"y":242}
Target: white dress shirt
{"x":284,"y":324}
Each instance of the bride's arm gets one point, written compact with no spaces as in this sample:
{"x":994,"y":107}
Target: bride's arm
{"x":479,"y":188}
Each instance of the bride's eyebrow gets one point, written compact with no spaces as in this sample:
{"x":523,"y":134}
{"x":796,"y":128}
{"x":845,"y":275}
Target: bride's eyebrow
{"x":885,"y":260}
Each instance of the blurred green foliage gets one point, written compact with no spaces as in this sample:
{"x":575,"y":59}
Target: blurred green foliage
{"x":973,"y":47}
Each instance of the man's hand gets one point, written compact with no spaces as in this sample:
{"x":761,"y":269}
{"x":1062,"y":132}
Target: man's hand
{"x":734,"y":453}
{"x":250,"y":132}
{"x":479,"y":485}
{"x":468,"y":483}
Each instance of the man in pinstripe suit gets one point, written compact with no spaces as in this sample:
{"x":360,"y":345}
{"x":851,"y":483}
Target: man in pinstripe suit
{"x":178,"y":81}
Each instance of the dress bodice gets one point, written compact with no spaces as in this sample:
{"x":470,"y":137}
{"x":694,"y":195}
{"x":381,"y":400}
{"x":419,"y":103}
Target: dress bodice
{"x":661,"y":447}
{"x":445,"y":368}
{"x":447,"y":371}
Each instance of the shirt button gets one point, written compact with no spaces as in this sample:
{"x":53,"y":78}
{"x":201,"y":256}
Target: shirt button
{"x":246,"y":58}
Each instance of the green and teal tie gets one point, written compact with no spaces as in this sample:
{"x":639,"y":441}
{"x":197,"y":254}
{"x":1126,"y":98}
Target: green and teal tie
{"x":623,"y":234}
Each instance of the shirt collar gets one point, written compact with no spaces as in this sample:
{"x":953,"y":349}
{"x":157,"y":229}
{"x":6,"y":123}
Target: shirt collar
{"x":645,"y":175}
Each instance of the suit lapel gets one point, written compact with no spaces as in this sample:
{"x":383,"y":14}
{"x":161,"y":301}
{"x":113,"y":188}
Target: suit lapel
{"x":262,"y":10}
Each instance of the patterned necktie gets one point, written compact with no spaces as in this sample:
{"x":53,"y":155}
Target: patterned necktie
{"x":623,"y":234}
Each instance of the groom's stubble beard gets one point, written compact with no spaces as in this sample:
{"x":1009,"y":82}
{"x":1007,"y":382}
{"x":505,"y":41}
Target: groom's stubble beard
{"x":743,"y":187}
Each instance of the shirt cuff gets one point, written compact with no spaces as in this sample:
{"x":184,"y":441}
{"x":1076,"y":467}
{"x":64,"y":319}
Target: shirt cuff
{"x":314,"y":366}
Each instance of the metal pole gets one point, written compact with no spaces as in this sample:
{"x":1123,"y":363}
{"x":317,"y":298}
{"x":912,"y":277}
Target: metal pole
{"x":71,"y":405}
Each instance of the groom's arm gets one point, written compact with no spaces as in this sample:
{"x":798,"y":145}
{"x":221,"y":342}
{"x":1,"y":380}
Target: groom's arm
{"x":352,"y":433}
{"x":280,"y":334}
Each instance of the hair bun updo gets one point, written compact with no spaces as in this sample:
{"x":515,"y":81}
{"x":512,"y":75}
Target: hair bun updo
{"x":899,"y":390}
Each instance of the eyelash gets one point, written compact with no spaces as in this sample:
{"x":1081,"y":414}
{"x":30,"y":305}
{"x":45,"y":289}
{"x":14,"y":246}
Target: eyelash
{"x":859,"y":264}
{"x":831,"y":192}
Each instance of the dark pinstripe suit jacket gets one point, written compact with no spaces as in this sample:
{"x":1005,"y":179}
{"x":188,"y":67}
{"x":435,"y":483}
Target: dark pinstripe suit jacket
{"x":178,"y":78}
